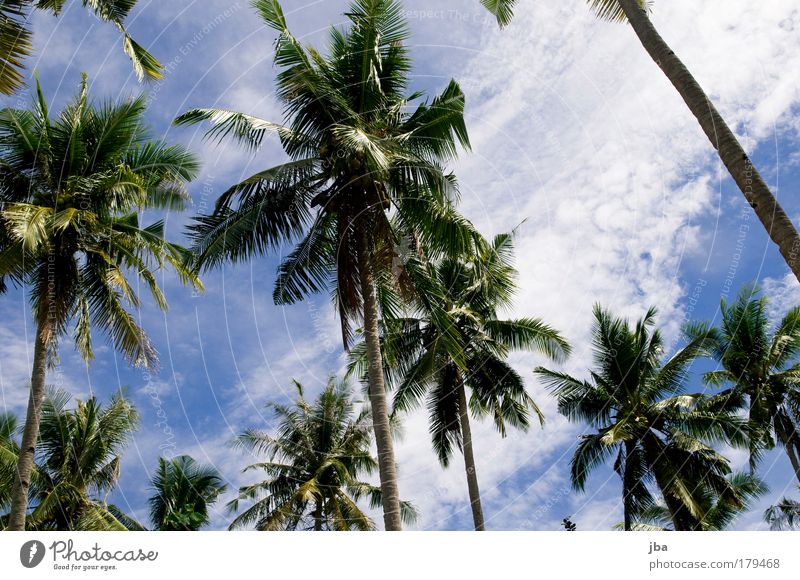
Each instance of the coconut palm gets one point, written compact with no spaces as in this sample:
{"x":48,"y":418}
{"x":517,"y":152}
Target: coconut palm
{"x":15,"y":37}
{"x":780,"y":228}
{"x":422,"y":366}
{"x":719,"y":511}
{"x":183,"y":491}
{"x":760,"y":370}
{"x":313,"y":466}
{"x":783,"y":516}
{"x":70,"y":190}
{"x":657,"y":433}
{"x":78,"y":463}
{"x":365,"y":163}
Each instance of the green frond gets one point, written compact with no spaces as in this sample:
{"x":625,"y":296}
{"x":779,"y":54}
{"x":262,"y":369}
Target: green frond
{"x":145,"y":65}
{"x":15,"y":44}
{"x":503,"y":10}
{"x":245,"y":128}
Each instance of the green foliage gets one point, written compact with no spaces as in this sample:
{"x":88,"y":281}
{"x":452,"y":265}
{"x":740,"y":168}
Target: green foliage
{"x":313,"y":465}
{"x":720,"y":510}
{"x":365,"y":160}
{"x":609,"y":10}
{"x":183,"y":491}
{"x":77,"y":462}
{"x":426,"y":362}
{"x":71,"y":189}
{"x":656,"y":434}
{"x":759,"y":372}
{"x":15,"y":38}
{"x":785,"y":515}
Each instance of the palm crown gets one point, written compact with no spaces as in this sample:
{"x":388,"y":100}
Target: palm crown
{"x":641,"y":415}
{"x":71,"y":189}
{"x":421,"y":362}
{"x":424,"y":361}
{"x":314,"y":464}
{"x":77,"y":465}
{"x":358,"y":147}
{"x":760,"y":371}
{"x":183,"y":491}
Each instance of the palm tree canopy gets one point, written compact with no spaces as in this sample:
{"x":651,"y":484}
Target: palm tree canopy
{"x":719,"y":510}
{"x":636,"y":403}
{"x":313,"y":466}
{"x":783,"y":516}
{"x":183,"y":491}
{"x":71,"y":188}
{"x":15,"y":37}
{"x":360,"y":146}
{"x":422,"y":364}
{"x":759,"y":368}
{"x":77,"y":461}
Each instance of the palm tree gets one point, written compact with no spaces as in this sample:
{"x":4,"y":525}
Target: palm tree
{"x":313,"y":465}
{"x":70,"y":190}
{"x":15,"y":37}
{"x":641,"y":415}
{"x":78,"y":463}
{"x":780,"y":228}
{"x":783,"y":516}
{"x":718,"y":511}
{"x":183,"y":491}
{"x":361,"y":149}
{"x":423,"y":366}
{"x":761,"y":371}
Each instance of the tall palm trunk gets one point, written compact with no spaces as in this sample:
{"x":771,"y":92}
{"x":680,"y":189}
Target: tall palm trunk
{"x":377,"y":389}
{"x":627,"y":487}
{"x":30,"y":433}
{"x":787,"y":434}
{"x":682,"y":521}
{"x":318,"y":517}
{"x":755,"y":190}
{"x":469,"y":460}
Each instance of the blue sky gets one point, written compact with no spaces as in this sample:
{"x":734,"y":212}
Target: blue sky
{"x":574,"y":130}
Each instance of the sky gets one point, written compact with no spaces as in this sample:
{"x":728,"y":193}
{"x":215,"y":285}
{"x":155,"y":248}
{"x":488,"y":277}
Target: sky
{"x":577,"y":138}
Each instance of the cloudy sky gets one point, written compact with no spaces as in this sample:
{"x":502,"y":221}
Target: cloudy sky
{"x":574,"y":130}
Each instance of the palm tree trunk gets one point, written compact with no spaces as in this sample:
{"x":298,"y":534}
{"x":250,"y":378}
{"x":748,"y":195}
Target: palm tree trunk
{"x":733,"y":156}
{"x":30,"y":433}
{"x":786,"y":432}
{"x":627,"y":487}
{"x":469,"y":460}
{"x":377,"y":390}
{"x":318,"y":518}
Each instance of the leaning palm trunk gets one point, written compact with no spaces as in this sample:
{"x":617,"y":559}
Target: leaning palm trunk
{"x":755,"y":190}
{"x":30,"y":433}
{"x":377,"y":390}
{"x":469,"y":460}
